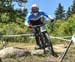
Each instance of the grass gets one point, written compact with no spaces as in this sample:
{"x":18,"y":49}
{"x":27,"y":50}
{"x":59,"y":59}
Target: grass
{"x":70,"y":56}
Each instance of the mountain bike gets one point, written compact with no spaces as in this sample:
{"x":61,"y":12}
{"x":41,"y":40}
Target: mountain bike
{"x":44,"y":39}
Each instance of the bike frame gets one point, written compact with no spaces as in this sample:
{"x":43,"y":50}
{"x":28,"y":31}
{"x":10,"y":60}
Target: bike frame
{"x":44,"y":40}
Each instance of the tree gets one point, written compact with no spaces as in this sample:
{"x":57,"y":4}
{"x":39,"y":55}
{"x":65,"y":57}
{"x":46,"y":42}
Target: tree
{"x":69,"y":13}
{"x":59,"y":13}
{"x":11,"y":20}
{"x":73,"y":7}
{"x":8,"y":10}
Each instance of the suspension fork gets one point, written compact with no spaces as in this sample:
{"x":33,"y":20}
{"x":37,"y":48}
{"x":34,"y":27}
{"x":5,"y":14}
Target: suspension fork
{"x":36,"y":34}
{"x":50,"y":47}
{"x":42,"y":41}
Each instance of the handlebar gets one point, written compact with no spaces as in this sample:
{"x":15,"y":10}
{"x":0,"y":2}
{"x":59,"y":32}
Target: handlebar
{"x":38,"y":25}
{"x":42,"y":24}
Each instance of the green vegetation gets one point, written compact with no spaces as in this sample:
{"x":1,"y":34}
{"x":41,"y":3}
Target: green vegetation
{"x":12,"y":21}
{"x":62,"y":27}
{"x":59,"y":13}
{"x":70,"y":57}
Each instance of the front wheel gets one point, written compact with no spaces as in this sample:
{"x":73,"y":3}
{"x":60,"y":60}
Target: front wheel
{"x":49,"y":44}
{"x":42,"y":39}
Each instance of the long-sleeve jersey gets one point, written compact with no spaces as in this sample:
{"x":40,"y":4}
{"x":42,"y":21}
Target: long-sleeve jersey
{"x":34,"y":16}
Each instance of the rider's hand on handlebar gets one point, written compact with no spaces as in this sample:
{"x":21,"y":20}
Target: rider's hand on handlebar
{"x":52,"y":20}
{"x":30,"y":26}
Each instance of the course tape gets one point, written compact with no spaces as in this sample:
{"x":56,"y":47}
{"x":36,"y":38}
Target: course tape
{"x":60,"y":38}
{"x":16,"y":35}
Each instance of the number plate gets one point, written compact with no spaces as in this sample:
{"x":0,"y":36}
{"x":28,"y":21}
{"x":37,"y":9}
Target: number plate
{"x":73,"y":38}
{"x":42,"y":28}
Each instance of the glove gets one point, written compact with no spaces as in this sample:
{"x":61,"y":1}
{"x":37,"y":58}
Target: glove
{"x":52,"y":20}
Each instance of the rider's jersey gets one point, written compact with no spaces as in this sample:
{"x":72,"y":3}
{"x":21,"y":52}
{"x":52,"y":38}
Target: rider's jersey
{"x":34,"y":18}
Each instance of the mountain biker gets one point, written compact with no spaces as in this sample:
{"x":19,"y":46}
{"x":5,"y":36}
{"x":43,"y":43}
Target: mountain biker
{"x":34,"y":18}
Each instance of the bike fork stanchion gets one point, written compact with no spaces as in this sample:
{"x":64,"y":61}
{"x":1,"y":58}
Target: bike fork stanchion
{"x":48,"y":41}
{"x":51,"y":50}
{"x":44,"y":51}
{"x":42,"y":43}
{"x":66,"y":51}
{"x":44,"y":47}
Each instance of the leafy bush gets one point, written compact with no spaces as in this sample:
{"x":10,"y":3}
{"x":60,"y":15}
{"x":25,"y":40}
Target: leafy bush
{"x":13,"y":29}
{"x":62,"y":27}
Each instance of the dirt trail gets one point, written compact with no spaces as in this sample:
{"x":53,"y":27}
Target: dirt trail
{"x":57,"y":47}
